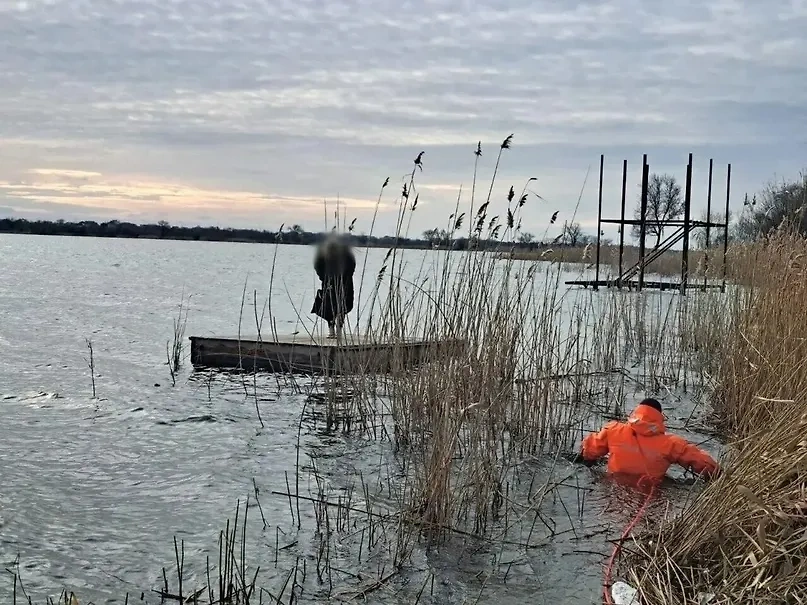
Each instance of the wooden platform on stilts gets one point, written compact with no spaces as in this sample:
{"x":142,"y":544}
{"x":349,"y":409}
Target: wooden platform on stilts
{"x":647,"y":284}
{"x":317,"y":354}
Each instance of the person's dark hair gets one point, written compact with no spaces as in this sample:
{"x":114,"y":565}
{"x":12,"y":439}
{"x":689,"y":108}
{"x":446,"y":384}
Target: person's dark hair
{"x":653,"y":403}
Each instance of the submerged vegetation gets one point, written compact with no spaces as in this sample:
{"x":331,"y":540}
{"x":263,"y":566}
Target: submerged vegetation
{"x":174,"y":348}
{"x":471,"y":446}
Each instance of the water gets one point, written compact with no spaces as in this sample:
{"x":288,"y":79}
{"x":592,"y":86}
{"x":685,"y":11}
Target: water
{"x":92,"y":491}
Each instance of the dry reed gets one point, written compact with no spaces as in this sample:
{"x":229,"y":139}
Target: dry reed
{"x":90,"y":364}
{"x":765,"y":366}
{"x":744,"y":539}
{"x":667,"y":265}
{"x":535,"y":360}
{"x":175,"y":347}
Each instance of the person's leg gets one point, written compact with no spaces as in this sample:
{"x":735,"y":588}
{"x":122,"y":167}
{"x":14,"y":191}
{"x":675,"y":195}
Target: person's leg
{"x":339,"y":306}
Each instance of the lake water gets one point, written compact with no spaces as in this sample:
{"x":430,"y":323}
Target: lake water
{"x":93,"y":491}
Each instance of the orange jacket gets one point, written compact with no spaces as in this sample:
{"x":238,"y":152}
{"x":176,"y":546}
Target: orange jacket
{"x":640,"y":447}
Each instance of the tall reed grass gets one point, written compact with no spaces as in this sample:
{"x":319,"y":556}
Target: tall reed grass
{"x":667,"y":265}
{"x":744,"y":539}
{"x":537,"y":360}
{"x":764,"y":368}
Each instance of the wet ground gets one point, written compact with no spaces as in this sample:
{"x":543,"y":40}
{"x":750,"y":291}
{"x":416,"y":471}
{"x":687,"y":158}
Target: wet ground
{"x":93,"y":491}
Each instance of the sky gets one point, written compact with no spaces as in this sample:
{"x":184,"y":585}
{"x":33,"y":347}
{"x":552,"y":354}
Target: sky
{"x":247,"y":113}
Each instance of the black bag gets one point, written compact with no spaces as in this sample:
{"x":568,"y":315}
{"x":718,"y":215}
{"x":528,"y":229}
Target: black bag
{"x":317,"y":308}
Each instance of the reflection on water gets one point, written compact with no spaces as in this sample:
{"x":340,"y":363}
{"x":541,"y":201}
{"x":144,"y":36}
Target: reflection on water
{"x":92,"y":491}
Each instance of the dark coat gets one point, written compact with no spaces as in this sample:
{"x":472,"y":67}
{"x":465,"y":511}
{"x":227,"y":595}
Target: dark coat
{"x":335,"y":265}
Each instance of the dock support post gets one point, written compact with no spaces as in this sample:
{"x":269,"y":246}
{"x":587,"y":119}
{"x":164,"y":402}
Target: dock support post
{"x":687,"y":225}
{"x":708,"y":225}
{"x":599,"y":225}
{"x":622,"y":219}
{"x":726,"y":227}
{"x":643,"y":220}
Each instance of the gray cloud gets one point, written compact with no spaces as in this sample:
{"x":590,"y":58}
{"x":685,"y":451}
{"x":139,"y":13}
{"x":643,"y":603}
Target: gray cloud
{"x":307,"y":99}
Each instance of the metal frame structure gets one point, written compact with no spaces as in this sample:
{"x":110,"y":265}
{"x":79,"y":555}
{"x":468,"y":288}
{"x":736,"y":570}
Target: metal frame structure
{"x":633,"y":277}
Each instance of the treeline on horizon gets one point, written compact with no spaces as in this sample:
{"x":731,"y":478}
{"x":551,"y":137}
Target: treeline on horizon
{"x":778,"y":204}
{"x":294,"y":235}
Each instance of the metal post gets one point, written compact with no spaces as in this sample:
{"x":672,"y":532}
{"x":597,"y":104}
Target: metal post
{"x":708,"y":225}
{"x":687,"y":210}
{"x":643,"y":219}
{"x":599,"y":226}
{"x":622,"y":223}
{"x":726,"y":230}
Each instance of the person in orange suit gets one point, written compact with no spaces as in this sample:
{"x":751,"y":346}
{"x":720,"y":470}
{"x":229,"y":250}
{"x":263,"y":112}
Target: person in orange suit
{"x":642,"y":449}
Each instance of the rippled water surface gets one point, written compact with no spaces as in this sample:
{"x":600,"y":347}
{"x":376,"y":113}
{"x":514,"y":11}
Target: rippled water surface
{"x":93,"y":491}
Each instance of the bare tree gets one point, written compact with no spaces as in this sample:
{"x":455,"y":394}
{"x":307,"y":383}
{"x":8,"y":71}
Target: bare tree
{"x":664,"y":203}
{"x":573,"y":235}
{"x":779,"y":204}
{"x":432,"y":236}
{"x":525,"y":238}
{"x":437,"y":237}
{"x":715,"y":233}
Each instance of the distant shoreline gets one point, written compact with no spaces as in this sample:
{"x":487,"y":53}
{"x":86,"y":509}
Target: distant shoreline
{"x":296,"y":235}
{"x":668,"y":264}
{"x":171,"y":238}
{"x":165,"y":231}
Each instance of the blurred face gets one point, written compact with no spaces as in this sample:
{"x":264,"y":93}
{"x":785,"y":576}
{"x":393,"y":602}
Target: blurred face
{"x":335,"y":241}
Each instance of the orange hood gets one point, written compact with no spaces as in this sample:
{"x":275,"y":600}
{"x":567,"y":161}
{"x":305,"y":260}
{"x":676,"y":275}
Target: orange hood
{"x":647,"y":421}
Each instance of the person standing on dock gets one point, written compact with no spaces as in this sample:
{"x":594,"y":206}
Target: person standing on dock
{"x":641,"y":448}
{"x":335,"y":264}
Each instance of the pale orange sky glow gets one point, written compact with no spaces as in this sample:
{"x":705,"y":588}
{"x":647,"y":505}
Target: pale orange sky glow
{"x":134,"y":197}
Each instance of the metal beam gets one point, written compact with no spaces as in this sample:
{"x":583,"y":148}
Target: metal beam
{"x":726,"y":230}
{"x":599,"y":224}
{"x":687,"y":212}
{"x":669,"y":223}
{"x":643,"y":219}
{"x":708,"y":224}
{"x":622,"y":221}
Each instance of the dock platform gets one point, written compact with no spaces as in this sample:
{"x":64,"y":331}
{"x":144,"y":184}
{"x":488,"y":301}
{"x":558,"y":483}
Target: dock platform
{"x":648,"y":284}
{"x":315,"y":354}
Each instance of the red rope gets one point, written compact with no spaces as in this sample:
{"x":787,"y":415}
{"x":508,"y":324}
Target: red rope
{"x":609,"y":568}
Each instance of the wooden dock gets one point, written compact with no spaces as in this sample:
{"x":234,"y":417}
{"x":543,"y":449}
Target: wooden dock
{"x":648,"y":284}
{"x":307,"y":354}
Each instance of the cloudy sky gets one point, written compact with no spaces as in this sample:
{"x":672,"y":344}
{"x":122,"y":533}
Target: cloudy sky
{"x":255,"y":112}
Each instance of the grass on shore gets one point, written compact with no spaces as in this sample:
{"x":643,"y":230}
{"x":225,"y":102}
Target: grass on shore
{"x":745,"y":538}
{"x":668,"y":264}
